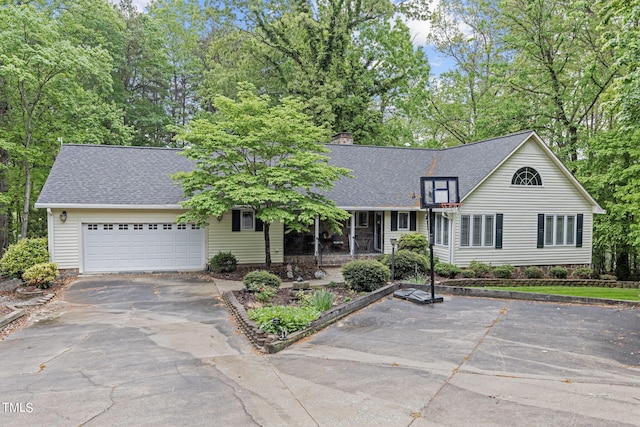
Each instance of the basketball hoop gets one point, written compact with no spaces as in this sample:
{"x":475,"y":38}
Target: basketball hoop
{"x":450,"y":208}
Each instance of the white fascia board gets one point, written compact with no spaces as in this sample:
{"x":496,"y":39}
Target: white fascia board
{"x":90,"y":206}
{"x":381,"y":208}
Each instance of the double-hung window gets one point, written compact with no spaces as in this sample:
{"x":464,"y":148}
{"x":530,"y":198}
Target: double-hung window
{"x":478,"y":230}
{"x":560,"y":230}
{"x":441,"y":229}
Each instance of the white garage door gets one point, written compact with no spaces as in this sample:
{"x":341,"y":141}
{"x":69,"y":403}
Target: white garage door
{"x":142,"y":247}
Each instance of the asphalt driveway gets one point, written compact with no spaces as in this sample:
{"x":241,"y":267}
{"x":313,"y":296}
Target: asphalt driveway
{"x":162,"y":351}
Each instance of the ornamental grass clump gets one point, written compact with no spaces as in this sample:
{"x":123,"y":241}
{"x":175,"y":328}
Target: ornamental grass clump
{"x":322,"y":300}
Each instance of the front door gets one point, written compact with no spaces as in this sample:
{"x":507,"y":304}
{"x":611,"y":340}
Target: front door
{"x":378,"y":237}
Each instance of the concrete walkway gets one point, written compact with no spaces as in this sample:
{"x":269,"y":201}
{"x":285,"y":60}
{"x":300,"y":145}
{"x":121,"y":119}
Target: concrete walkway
{"x":163,"y":351}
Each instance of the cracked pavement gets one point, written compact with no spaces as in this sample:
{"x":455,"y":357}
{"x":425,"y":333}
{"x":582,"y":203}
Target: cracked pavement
{"x":161,"y":351}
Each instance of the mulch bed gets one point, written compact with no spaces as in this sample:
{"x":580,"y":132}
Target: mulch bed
{"x":288,"y":296}
{"x":305,"y":271}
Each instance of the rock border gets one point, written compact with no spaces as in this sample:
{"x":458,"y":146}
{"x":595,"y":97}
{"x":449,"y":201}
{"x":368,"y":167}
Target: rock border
{"x":269,"y":343}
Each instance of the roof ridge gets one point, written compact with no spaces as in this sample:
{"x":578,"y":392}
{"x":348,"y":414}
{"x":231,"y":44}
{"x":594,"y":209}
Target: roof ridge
{"x":124,"y":146}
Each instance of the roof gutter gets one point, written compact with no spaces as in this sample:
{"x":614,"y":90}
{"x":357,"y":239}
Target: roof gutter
{"x":106,"y":206}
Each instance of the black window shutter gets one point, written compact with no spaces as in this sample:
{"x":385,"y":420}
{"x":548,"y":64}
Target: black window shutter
{"x":541,"y":230}
{"x":259,"y":225}
{"x":394,"y":221}
{"x":235,"y":220}
{"x":579,"y":222}
{"x":412,"y":220}
{"x":499,"y":231}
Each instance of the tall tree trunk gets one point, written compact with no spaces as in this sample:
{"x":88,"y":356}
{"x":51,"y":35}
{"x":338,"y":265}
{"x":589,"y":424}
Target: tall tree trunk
{"x":27,"y":199}
{"x":267,"y":245}
{"x":4,"y":208}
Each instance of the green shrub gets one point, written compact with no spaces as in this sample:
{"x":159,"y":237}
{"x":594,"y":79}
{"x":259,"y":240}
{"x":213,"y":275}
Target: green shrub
{"x":322,"y":300}
{"x":407,"y":263}
{"x":255,"y":281}
{"x":467,"y":274}
{"x":24,"y":254}
{"x":41,"y":275}
{"x":558,"y":272}
{"x":608,"y":277}
{"x":480,"y":269}
{"x":223,"y":262}
{"x":444,"y":269}
{"x":290,"y":318}
{"x":533,"y":272}
{"x":414,"y":242}
{"x":503,"y":271}
{"x":583,"y":273}
{"x":266,"y":293}
{"x":365,"y":275}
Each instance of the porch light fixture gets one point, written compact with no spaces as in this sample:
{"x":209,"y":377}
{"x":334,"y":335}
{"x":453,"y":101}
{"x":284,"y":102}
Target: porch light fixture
{"x":63,"y":216}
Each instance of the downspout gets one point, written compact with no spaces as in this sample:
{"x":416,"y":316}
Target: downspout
{"x":316,"y":236}
{"x":50,"y":234}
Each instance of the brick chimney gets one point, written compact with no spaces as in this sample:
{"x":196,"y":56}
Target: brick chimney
{"x":343,"y":138}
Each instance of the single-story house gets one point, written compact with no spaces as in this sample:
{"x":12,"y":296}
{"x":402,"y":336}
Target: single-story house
{"x":114,"y":208}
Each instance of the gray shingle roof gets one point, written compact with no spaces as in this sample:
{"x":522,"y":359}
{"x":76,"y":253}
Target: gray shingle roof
{"x":114,"y":175}
{"x":98,"y":175}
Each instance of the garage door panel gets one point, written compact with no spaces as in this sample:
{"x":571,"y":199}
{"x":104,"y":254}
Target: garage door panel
{"x":142,"y":247}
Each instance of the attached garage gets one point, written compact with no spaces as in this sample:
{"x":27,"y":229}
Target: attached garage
{"x":119,"y":247}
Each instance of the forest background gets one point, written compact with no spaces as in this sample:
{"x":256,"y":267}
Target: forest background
{"x":93,"y":72}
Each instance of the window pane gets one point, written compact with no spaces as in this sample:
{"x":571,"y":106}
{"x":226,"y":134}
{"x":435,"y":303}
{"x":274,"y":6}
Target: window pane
{"x":488,"y":230}
{"x":548,"y":230}
{"x":477,"y":230}
{"x":445,"y":231}
{"x":464,"y":230}
{"x":403,"y":220}
{"x":247,"y":220}
{"x":560,"y":230}
{"x":571,"y":230}
{"x":438,"y":229}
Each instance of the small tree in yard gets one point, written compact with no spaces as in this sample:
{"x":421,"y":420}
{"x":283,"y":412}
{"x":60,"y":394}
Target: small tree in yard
{"x":261,"y":156}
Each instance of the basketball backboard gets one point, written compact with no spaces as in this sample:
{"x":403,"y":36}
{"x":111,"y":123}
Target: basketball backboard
{"x":436,"y":191}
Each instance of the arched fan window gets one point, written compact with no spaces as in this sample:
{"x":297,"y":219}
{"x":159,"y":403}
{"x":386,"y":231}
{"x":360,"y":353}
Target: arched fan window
{"x":526,"y":176}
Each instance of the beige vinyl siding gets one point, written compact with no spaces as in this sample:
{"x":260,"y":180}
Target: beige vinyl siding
{"x":520,"y":206}
{"x":246,"y":245}
{"x":67,"y":236}
{"x":442,"y":253}
{"x":421,"y":227}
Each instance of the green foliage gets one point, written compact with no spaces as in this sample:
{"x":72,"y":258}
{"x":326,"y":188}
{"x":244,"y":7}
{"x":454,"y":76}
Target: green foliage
{"x":41,"y":275}
{"x":260,"y":155}
{"x":608,"y":277}
{"x":480,"y":269}
{"x":533,"y":272}
{"x":418,"y":279}
{"x":467,"y":274}
{"x":24,"y":254}
{"x":583,"y":273}
{"x":266,"y":294}
{"x":365,"y":275}
{"x":290,"y":318}
{"x":558,"y":272}
{"x":322,"y":300}
{"x":503,"y":271}
{"x":444,"y":269}
{"x":223,"y":262}
{"x":407,"y":263}
{"x":415,"y":242}
{"x":256,"y":281}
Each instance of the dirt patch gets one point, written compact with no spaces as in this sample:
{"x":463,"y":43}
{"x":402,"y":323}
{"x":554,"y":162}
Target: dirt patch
{"x":288,"y":273}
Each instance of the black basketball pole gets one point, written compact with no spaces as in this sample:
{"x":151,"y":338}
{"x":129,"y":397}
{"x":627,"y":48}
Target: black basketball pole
{"x":432,"y":218}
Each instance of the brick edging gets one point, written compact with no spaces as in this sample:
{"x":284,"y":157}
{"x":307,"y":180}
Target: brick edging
{"x":270,"y":343}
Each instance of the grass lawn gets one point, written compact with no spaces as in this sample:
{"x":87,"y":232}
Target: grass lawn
{"x":577,"y":291}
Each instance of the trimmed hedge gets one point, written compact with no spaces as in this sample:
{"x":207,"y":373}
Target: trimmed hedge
{"x":365,"y":275}
{"x":407,"y":264}
{"x":258,"y":279}
{"x":414,"y":242}
{"x":41,"y":275}
{"x":449,"y":271}
{"x":223,"y":262}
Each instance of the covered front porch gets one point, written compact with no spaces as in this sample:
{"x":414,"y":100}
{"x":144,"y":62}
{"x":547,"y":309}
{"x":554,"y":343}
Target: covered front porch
{"x":362,"y":234}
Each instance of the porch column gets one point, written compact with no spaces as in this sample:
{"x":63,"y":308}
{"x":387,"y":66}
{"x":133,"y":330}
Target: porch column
{"x":352,"y":234}
{"x":316,"y":234}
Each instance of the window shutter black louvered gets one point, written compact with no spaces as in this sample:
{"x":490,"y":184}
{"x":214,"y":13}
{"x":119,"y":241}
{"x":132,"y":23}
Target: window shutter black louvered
{"x":579,"y":227}
{"x":412,"y":220}
{"x":235,"y":220}
{"x":499,"y":220}
{"x":394,"y":220}
{"x":541,"y":230}
{"x":259,"y":225}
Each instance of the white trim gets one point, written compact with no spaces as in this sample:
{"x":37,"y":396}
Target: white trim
{"x":98,"y":206}
{"x":51,"y":235}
